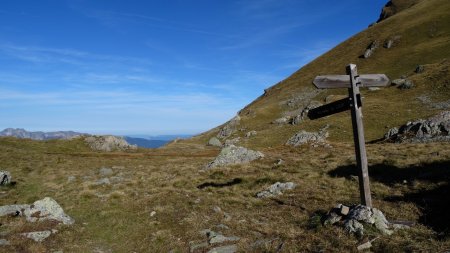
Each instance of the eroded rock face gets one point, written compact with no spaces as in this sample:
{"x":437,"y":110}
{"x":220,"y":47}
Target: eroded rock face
{"x":234,"y":155}
{"x":276,"y":189}
{"x":436,"y":128}
{"x":108,"y":143}
{"x":44,"y":209}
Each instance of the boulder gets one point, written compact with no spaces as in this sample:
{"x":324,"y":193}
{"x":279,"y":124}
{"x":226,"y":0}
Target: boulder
{"x":234,"y":155}
{"x":215,"y":142}
{"x":5,"y":177}
{"x":38,"y":236}
{"x":436,"y":128}
{"x":108,"y":143}
{"x":370,"y":49}
{"x":282,"y":120}
{"x":276,"y":189}
{"x":224,"y":249}
{"x":106,"y":172}
{"x":408,"y":84}
{"x":388,"y":43}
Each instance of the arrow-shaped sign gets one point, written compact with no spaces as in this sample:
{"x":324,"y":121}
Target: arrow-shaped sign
{"x":343,"y":81}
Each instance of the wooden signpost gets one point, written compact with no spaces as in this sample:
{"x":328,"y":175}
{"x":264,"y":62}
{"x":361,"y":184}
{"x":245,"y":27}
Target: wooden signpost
{"x":353,"y":82}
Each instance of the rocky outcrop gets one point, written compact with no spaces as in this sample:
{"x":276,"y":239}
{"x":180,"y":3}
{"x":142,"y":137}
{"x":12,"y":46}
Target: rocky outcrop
{"x":436,"y":128}
{"x":229,"y":128}
{"x":393,"y":7}
{"x":44,"y":209}
{"x":108,"y":143}
{"x":5,"y":177}
{"x":234,"y":155}
{"x":24,"y":134}
{"x":304,"y":113}
{"x":275,"y":189}
{"x":304,"y":137}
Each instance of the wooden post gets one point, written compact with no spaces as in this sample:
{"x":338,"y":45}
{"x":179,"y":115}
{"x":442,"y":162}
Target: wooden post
{"x":358,"y":136}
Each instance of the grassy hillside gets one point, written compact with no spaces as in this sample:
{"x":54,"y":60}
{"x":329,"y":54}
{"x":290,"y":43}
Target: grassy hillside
{"x":421,"y":36}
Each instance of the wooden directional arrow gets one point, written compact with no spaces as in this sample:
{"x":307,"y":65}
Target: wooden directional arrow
{"x":332,"y":108}
{"x":343,"y":81}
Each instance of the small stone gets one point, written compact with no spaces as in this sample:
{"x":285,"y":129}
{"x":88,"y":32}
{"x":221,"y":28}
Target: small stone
{"x":217,"y":209}
{"x":419,"y":69}
{"x":5,"y":177}
{"x":222,"y":226}
{"x":279,"y":162}
{"x":102,"y":181}
{"x":195,"y":247}
{"x":353,"y":226}
{"x":153,"y":213}
{"x":344,"y":210}
{"x":276,"y":189}
{"x":388,"y":44}
{"x":38,"y":236}
{"x":364,"y":246}
{"x":332,"y":218}
{"x":4,"y":242}
{"x":71,"y":178}
{"x":374,"y":88}
{"x":224,"y":249}
{"x":251,"y":133}
{"x":106,"y":172}
{"x":408,"y":84}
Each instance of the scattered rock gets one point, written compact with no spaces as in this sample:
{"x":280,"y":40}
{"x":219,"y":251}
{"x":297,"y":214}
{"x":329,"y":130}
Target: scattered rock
{"x":153,"y":213}
{"x":354,"y":227}
{"x":233,"y":141}
{"x":102,"y":181}
{"x":251,"y":133}
{"x":224,"y":249}
{"x":364,"y":246}
{"x":408,"y":84}
{"x":303,"y":137}
{"x":419,"y":69}
{"x":304,"y":113}
{"x":374,"y":88}
{"x":217,"y":238}
{"x":108,"y":143}
{"x":397,"y":82}
{"x":282,"y":120}
{"x":229,"y":128}
{"x":388,"y":43}
{"x":370,"y":49}
{"x":215,"y":142}
{"x":71,"y":179}
{"x":276,"y":189}
{"x":344,"y":210}
{"x":38,"y":236}
{"x":197,"y":246}
{"x":5,"y":177}
{"x":234,"y":155}
{"x":279,"y":162}
{"x":106,"y":172}
{"x":436,"y":128}
{"x":4,"y":242}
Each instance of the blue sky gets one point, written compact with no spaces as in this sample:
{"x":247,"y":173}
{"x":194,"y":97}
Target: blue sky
{"x":157,"y":67}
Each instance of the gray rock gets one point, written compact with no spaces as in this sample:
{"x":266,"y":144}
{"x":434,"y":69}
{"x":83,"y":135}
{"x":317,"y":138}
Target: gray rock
{"x":71,"y":179}
{"x":15,"y":210}
{"x":106,"y":172}
{"x":5,"y":177}
{"x":361,"y":213}
{"x":224,"y":249}
{"x":354,"y":227}
{"x":276,"y":189}
{"x":436,"y":128}
{"x":374,"y":88}
{"x":4,"y":242}
{"x":332,"y":218}
{"x":279,"y":162}
{"x":251,"y":133}
{"x":408,"y":84}
{"x":388,"y":43}
{"x":397,"y":82}
{"x":102,"y":181}
{"x":233,"y":141}
{"x":234,"y":155}
{"x":304,"y":113}
{"x":370,"y":49}
{"x":381,"y":222}
{"x":364,"y":246}
{"x":419,"y":69}
{"x":215,"y":142}
{"x":304,"y":137}
{"x":229,"y":128}
{"x":38,"y":236}
{"x":282,"y":120}
{"x":198,"y":246}
{"x":108,"y":143}
{"x":218,"y":238}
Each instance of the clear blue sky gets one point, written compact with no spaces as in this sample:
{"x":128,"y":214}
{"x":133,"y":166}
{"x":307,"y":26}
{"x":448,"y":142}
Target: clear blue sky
{"x":157,"y":67}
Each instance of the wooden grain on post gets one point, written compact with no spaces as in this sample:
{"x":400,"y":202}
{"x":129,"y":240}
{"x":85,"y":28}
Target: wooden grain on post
{"x":358,"y":134}
{"x":343,"y":81}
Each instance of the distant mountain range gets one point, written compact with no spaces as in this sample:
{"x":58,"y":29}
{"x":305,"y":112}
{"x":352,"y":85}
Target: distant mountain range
{"x":144,"y":141}
{"x":24,"y":134}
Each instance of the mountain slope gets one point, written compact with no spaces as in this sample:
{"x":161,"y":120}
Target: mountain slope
{"x":420,"y":36}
